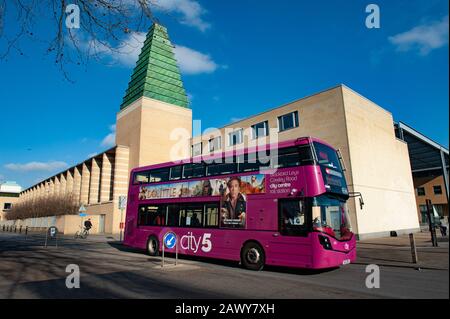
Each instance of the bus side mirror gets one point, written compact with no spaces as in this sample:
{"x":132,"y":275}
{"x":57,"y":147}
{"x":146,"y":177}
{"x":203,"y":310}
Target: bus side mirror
{"x":360,"y":197}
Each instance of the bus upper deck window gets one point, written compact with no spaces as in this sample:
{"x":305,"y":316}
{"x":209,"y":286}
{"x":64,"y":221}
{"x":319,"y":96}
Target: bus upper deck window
{"x":175,"y":172}
{"x":141,"y":177}
{"x":159,"y":175}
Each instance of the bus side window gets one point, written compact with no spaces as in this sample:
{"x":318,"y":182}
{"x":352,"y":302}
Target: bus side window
{"x":191,"y":215}
{"x":254,"y":162}
{"x":305,"y":154}
{"x":142,"y":218}
{"x":159,"y":175}
{"x":221,"y":168}
{"x":141,"y":177}
{"x":194,"y":170}
{"x":211,"y":215}
{"x":173,"y":215}
{"x":175,"y":172}
{"x":288,"y":157}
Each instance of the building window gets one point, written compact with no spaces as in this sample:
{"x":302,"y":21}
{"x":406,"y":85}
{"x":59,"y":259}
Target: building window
{"x":235,"y":138}
{"x":420,"y":191}
{"x":215,"y":144}
{"x":197,"y":149}
{"x":7,"y":206}
{"x":288,"y":121}
{"x":260,"y":129}
{"x":437,"y":189}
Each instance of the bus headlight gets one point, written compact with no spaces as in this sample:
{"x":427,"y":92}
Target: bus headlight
{"x":325,"y":242}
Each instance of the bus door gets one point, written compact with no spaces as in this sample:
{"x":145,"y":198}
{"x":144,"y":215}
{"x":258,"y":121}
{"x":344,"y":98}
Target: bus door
{"x":291,"y":243}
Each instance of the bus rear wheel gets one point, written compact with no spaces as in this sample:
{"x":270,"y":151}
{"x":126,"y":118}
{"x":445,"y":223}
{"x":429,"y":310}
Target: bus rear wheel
{"x":153,"y":246}
{"x":252,"y":256}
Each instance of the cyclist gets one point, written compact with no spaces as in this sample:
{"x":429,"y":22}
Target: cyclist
{"x":88,"y":225}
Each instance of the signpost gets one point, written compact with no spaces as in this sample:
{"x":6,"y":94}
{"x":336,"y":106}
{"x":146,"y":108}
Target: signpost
{"x":52,"y":233}
{"x":122,"y":206}
{"x":170,"y":241}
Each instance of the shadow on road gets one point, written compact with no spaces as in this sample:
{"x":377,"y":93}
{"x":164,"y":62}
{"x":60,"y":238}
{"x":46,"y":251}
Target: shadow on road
{"x":220,"y":262}
{"x":111,"y":285}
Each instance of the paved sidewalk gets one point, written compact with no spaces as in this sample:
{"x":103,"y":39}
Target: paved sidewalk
{"x":396,"y":252}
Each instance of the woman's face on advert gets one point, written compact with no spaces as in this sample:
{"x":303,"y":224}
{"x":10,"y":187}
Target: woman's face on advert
{"x":234,"y":188}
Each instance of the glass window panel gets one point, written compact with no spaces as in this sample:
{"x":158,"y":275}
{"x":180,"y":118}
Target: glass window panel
{"x":141,"y":177}
{"x":194,"y":170}
{"x":292,"y":215}
{"x":221,"y":168}
{"x":260,"y":129}
{"x":159,"y":175}
{"x":211,"y":215}
{"x":437,"y":190}
{"x":175,"y":172}
{"x":421,"y":191}
{"x":173,"y":215}
{"x":215,"y":144}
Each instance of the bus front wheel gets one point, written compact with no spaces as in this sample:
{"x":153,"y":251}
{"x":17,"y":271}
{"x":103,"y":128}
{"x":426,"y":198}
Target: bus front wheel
{"x":252,"y":256}
{"x":153,"y":246}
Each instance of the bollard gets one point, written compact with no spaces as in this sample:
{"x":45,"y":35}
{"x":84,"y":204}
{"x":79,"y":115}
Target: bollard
{"x":15,"y":228}
{"x":3,"y":227}
{"x":26,"y":230}
{"x":20,"y":229}
{"x":412,"y":241}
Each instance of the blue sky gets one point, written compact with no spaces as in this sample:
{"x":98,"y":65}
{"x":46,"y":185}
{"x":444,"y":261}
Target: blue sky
{"x":238,"y":59}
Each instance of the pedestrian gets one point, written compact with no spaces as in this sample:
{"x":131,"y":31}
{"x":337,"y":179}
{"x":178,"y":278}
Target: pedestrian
{"x":443,"y":229}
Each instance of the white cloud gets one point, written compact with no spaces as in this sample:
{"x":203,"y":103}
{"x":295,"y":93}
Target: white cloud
{"x":193,"y":62}
{"x":110,"y":139}
{"x":37,"y":166}
{"x":190,"y":10}
{"x":424,"y":38}
{"x":127,"y":52}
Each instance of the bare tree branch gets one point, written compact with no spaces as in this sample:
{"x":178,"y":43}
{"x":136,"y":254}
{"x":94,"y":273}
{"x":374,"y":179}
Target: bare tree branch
{"x":103,"y":24}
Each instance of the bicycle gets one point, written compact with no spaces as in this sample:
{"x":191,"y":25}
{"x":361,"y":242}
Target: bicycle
{"x":82,"y":234}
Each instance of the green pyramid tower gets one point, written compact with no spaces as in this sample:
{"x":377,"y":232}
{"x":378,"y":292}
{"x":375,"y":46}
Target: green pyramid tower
{"x":156,"y":74}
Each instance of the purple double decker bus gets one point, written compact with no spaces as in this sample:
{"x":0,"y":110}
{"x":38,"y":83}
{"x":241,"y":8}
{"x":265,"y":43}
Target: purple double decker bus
{"x":283,"y":206}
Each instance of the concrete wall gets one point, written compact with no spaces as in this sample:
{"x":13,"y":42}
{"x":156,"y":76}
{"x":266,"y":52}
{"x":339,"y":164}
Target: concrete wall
{"x":151,"y":129}
{"x":380,"y":169}
{"x":3,"y":200}
{"x":66,"y":224}
{"x":96,"y":183}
